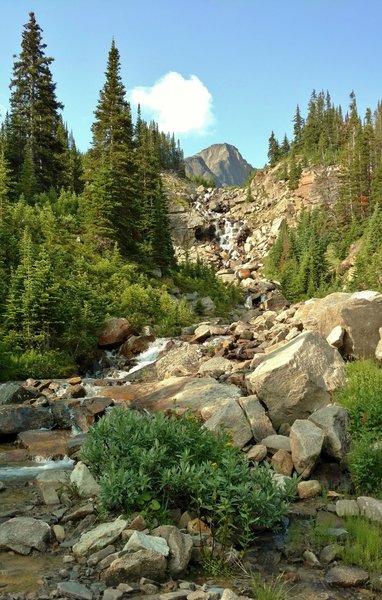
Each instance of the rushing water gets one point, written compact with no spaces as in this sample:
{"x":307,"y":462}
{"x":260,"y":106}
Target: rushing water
{"x":33,"y":468}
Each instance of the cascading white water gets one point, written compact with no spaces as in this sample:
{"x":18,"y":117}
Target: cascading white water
{"x":227,"y":231}
{"x":37,"y":466}
{"x":148,"y":357}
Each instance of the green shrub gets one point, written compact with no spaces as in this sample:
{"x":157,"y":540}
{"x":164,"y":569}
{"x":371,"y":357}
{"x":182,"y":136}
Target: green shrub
{"x":273,"y":589}
{"x":154,"y":463}
{"x":365,"y":464}
{"x":33,"y":363}
{"x":362,"y":396}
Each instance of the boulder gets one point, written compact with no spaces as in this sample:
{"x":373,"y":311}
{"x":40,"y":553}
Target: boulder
{"x":347,"y":508}
{"x":231,"y":418}
{"x":257,"y":453}
{"x":21,"y":534}
{"x":306,"y":440}
{"x":180,"y":548}
{"x":371,"y":508}
{"x":143,"y":563}
{"x":336,"y":336}
{"x":334,"y":421}
{"x":215,"y":367}
{"x":177,"y":394}
{"x":14,"y":393}
{"x":282,"y":462}
{"x":114,"y":332}
{"x":75,"y":590}
{"x":98,"y":538}
{"x":255,"y":413}
{"x":50,"y":482}
{"x":51,"y":444}
{"x":183,"y":360}
{"x":359,"y":314}
{"x":84,"y":481}
{"x":346,"y":576}
{"x":298,"y":378}
{"x":276,"y":442}
{"x":18,"y":417}
{"x":308,"y":489}
{"x":141,"y":541}
{"x":135,"y":345}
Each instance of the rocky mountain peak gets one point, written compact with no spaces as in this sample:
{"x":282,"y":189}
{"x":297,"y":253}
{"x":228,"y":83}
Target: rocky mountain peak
{"x":221,"y":163}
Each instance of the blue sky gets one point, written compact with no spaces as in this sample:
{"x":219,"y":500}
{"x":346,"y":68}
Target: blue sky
{"x":216,"y":70}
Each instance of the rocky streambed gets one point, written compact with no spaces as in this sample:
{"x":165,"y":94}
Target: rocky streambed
{"x":269,"y":378}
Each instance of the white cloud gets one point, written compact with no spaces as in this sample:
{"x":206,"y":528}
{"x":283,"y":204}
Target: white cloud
{"x":179,"y":105}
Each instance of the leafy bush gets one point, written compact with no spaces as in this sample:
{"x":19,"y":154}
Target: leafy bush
{"x":365,"y":465}
{"x":154,"y":463}
{"x":362,"y":397}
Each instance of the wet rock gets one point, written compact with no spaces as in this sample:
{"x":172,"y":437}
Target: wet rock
{"x":21,"y":534}
{"x":98,"y":538}
{"x":72,"y":589}
{"x":52,"y":444}
{"x":74,"y":443}
{"x":84,"y":481}
{"x":334,"y":421}
{"x":143,"y":563}
{"x":75,"y":391}
{"x":135,"y":345}
{"x":306,"y":441}
{"x":232,"y":418}
{"x":255,"y":413}
{"x":180,"y":545}
{"x":114,"y":332}
{"x":17,"y":417}
{"x":290,"y":384}
{"x":14,"y":393}
{"x":346,"y":576}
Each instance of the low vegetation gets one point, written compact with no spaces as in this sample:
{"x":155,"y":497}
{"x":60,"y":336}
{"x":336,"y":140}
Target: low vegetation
{"x":154,"y":463}
{"x":361,"y":395}
{"x":363,"y":546}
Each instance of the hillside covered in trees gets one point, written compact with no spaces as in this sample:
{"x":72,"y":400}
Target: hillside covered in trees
{"x":81,"y":236}
{"x":307,"y":258}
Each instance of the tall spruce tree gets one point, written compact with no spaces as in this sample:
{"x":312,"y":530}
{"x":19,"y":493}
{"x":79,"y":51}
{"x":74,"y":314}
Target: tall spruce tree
{"x":110,"y":176}
{"x":33,"y":148}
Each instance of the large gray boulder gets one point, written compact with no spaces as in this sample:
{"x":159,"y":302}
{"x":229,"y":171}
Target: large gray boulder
{"x":182,"y":360}
{"x":359,"y":314}
{"x":14,"y":393}
{"x":143,"y":563}
{"x":333,"y":420}
{"x":21,"y":534}
{"x":371,"y":508}
{"x":306,"y":440}
{"x":231,"y":418}
{"x":180,"y":548}
{"x":98,"y":538}
{"x":18,"y":417}
{"x":298,"y":378}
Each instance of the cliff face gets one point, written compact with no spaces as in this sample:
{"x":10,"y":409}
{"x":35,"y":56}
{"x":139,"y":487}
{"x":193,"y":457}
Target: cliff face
{"x":222,"y":163}
{"x":227,"y":229}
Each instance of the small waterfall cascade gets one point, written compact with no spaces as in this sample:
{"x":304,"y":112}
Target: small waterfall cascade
{"x":227,"y":231}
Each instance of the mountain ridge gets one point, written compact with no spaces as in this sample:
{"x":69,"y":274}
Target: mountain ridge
{"x":221,"y":163}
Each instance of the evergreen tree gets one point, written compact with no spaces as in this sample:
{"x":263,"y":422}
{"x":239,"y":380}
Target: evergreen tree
{"x":34,"y":149}
{"x":298,"y":126}
{"x":273,"y":150}
{"x":110,"y":176}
